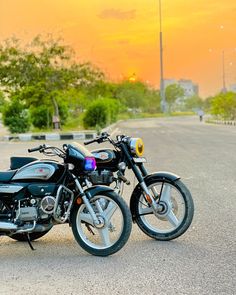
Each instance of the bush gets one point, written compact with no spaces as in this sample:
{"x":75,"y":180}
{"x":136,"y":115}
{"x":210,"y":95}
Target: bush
{"x":101,"y":112}
{"x":224,"y":106}
{"x":41,"y":117}
{"x":15,"y":116}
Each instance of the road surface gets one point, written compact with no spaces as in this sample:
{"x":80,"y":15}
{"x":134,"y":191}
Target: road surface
{"x":202,"y":261}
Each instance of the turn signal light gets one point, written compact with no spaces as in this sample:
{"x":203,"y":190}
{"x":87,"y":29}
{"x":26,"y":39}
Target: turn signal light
{"x":148,"y":198}
{"x":79,"y":201}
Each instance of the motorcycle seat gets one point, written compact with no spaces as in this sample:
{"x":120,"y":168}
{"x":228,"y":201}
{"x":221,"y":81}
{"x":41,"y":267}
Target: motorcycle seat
{"x":18,"y":162}
{"x":6,"y":176}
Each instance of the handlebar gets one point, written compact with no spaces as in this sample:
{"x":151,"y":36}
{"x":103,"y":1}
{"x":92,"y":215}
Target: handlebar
{"x":90,"y":141}
{"x":38,"y":148}
{"x":99,"y":139}
{"x":49,"y":150}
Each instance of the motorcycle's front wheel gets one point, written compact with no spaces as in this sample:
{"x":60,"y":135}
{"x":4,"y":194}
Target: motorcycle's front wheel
{"x":114,"y":229}
{"x":176,"y":214}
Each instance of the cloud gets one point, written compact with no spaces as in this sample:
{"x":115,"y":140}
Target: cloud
{"x":117,"y":14}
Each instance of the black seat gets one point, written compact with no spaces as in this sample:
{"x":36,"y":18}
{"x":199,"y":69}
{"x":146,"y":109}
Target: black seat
{"x":7,"y":176}
{"x":18,"y":162}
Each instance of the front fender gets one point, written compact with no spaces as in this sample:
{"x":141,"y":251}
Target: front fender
{"x":149,"y":179}
{"x":93,"y":191}
{"x":163,"y":175}
{"x":97,"y":189}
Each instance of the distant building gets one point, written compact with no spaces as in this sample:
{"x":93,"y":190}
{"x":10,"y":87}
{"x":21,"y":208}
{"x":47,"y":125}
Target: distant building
{"x":188,"y":86}
{"x":232,"y":88}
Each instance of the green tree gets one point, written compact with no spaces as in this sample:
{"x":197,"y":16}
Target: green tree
{"x":131,"y":94}
{"x":101,"y":112}
{"x":193,"y":103}
{"x":224,"y":106}
{"x":172,"y":93}
{"x":2,"y":101}
{"x":41,"y":68}
{"x":16,"y":117}
{"x":152,"y":103}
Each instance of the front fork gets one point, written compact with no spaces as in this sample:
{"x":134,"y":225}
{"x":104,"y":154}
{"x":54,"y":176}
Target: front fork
{"x":151,"y":201}
{"x":86,"y":202}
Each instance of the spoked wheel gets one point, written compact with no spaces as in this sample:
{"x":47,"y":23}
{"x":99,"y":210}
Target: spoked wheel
{"x":114,"y":227}
{"x":176,"y":213}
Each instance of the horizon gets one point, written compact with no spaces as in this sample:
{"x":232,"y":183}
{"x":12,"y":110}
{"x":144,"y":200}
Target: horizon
{"x":122,"y":39}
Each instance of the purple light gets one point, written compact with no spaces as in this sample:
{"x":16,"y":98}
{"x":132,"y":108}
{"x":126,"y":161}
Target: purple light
{"x":89,"y":163}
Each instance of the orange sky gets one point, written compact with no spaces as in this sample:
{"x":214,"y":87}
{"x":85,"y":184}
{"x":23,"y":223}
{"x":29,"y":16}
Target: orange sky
{"x":122,"y":37}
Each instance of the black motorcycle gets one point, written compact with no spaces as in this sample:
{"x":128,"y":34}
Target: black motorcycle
{"x":160,"y":204}
{"x":37,"y":194}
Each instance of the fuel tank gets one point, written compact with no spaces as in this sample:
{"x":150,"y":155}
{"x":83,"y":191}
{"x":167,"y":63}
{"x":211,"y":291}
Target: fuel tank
{"x":40,"y":171}
{"x":106,"y":159}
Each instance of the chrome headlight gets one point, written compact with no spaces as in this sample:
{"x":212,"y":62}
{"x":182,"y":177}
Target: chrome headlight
{"x":136,"y":146}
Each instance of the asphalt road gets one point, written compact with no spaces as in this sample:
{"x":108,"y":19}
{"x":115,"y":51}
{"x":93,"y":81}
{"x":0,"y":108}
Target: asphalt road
{"x":202,"y":261}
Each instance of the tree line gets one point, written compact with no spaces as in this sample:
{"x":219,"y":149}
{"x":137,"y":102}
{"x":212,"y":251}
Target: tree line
{"x":43,"y":86}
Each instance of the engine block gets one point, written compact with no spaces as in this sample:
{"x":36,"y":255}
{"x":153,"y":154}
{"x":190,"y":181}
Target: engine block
{"x":101,"y":177}
{"x":26,"y":214}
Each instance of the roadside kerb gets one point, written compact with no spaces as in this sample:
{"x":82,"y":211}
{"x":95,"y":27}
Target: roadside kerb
{"x":220,"y":122}
{"x":50,"y":136}
{"x":73,"y":135}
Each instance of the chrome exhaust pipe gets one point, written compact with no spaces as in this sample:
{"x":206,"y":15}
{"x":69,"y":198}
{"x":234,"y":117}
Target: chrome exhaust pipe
{"x":7,"y":226}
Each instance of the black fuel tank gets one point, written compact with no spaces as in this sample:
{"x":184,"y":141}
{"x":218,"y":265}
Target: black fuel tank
{"x":106,"y":159}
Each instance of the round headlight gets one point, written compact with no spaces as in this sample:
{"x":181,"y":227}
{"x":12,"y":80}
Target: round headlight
{"x":136,"y":146}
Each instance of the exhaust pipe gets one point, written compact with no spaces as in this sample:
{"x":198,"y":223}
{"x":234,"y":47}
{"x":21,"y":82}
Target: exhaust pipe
{"x":7,"y":226}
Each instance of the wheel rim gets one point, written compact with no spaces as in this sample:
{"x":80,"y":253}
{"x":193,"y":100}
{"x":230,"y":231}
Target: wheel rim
{"x":110,"y":229}
{"x":173,"y":213}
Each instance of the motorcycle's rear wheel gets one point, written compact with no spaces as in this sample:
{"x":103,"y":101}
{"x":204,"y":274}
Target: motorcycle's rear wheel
{"x":113,"y":232}
{"x":177,"y":214}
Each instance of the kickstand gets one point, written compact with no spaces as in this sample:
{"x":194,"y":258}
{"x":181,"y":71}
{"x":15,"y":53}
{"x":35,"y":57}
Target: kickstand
{"x":29,"y":242}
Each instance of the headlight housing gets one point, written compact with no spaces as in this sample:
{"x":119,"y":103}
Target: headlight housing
{"x":136,"y":146}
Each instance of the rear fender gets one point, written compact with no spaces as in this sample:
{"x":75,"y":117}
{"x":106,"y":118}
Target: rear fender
{"x":161,"y":175}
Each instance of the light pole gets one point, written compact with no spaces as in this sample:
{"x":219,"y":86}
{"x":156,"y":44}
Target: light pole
{"x":162,"y":87}
{"x":224,"y":89}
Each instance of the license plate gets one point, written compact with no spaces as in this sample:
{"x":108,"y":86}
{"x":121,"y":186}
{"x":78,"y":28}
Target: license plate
{"x":140,"y":160}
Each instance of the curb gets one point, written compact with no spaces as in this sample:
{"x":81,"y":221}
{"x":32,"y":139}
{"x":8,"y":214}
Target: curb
{"x":219,"y":122}
{"x":50,"y":136}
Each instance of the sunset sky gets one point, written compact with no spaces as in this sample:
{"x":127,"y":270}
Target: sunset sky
{"x":122,"y":37}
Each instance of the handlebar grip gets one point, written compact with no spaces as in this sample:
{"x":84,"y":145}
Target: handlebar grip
{"x":90,"y":141}
{"x":35,"y":149}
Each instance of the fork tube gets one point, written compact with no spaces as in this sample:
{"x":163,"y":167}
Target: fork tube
{"x":139,"y":172}
{"x":86,"y":201}
{"x":143,"y":170}
{"x":139,"y":175}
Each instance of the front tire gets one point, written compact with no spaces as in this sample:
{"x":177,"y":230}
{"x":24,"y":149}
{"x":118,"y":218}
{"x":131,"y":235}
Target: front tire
{"x":113,"y":232}
{"x":177,"y":212}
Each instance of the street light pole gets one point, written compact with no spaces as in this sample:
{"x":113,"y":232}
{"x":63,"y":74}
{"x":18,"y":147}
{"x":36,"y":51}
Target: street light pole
{"x":224,"y":89}
{"x":162,"y":87}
